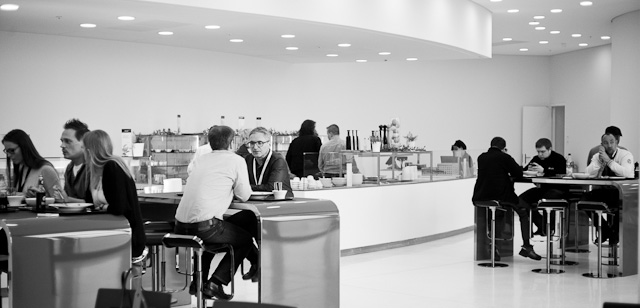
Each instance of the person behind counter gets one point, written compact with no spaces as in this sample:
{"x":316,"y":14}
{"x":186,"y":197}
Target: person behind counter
{"x":27,"y":165}
{"x":243,"y":149}
{"x":330,"y":158}
{"x":265,"y":166}
{"x":306,"y":142}
{"x":75,"y":179}
{"x":609,"y":161}
{"x":459,"y":149}
{"x":495,"y":170}
{"x":217,"y":178}
{"x":111,"y":187}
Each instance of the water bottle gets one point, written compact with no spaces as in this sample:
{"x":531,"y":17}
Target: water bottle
{"x":41,"y":203}
{"x":570,"y":165}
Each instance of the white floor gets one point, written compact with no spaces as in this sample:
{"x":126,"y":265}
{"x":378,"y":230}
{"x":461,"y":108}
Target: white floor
{"x":443,"y":274}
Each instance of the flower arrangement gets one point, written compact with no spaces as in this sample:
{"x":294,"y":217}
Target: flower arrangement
{"x":411,"y":137}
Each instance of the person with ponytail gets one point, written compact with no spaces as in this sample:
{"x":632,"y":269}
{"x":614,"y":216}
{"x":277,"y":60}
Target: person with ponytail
{"x":111,"y":187}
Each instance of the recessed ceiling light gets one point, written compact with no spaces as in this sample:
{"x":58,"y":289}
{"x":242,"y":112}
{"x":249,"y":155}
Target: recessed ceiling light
{"x":126,"y":18}
{"x":544,"y":42}
{"x":361,"y":61}
{"x":212,"y":27}
{"x":540,"y":28}
{"x":332,"y":55}
{"x":88,"y":25}
{"x":496,"y":0}
{"x":236,"y":40}
{"x":513,"y":11}
{"x":556,"y":11}
{"x":9,"y":7}
{"x":534,"y":23}
{"x":412,"y":59}
{"x":384,"y":53}
{"x":287,"y":36}
{"x":576,"y":35}
{"x":507,"y":39}
{"x":524,"y":49}
{"x":344,"y":45}
{"x":605,"y":37}
{"x":554,"y":32}
{"x":538,"y":17}
{"x":583,"y":44}
{"x":165,"y":33}
{"x":586,"y":3}
{"x":291,"y":48}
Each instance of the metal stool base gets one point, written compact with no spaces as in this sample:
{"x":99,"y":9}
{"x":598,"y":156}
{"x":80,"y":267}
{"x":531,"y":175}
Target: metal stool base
{"x":595,"y":275}
{"x":564,"y":263}
{"x":492,"y":265}
{"x":579,"y":250}
{"x":544,"y":271}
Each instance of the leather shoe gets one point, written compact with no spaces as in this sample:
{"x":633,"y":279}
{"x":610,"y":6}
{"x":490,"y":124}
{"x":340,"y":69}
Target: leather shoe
{"x":527,"y":252}
{"x":214,"y":290}
{"x":252,"y":273}
{"x":192,"y":288}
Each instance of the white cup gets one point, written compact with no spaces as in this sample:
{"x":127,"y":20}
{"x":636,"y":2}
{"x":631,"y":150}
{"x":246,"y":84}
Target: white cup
{"x":375,"y":147}
{"x":279,"y":194}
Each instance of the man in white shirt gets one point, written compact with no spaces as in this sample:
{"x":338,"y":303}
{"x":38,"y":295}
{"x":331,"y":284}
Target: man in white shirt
{"x":330,"y":161}
{"x":609,"y":161}
{"x":216,"y":178}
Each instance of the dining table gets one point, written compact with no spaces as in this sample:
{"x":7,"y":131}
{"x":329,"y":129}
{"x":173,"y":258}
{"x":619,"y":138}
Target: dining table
{"x":61,"y":260}
{"x":627,"y":216}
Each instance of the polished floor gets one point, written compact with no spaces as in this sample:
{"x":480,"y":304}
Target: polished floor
{"x":443,"y":274}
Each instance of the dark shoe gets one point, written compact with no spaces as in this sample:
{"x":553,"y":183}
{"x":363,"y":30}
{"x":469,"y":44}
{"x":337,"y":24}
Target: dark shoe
{"x":192,"y":288}
{"x":527,"y":252}
{"x":251,"y":274}
{"x":213,"y":290}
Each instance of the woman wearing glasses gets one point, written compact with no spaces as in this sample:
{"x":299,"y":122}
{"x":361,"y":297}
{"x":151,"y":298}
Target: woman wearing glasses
{"x":111,"y":186}
{"x":27,"y":165}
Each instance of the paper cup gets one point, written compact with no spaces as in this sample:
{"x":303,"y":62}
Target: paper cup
{"x":279,"y":194}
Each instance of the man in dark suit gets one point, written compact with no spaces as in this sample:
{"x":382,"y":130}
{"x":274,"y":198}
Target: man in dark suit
{"x":496,"y":169}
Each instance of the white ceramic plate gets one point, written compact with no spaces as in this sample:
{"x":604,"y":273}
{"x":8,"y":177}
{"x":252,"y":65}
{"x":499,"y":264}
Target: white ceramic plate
{"x":261,"y":193}
{"x":617,"y":178}
{"x":530,"y":173}
{"x":580,"y":176}
{"x":72,"y":207}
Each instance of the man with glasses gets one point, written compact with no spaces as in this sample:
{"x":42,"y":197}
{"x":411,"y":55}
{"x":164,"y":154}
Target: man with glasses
{"x":609,"y":161}
{"x":75,"y":181}
{"x":265,"y":166}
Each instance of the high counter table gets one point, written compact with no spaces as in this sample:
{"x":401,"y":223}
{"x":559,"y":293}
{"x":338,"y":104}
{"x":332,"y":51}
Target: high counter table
{"x":628,"y":217}
{"x":299,"y":247}
{"x":62,"y":261}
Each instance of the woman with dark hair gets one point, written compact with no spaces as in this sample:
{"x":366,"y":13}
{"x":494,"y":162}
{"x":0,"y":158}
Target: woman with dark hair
{"x":306,"y":142}
{"x":111,"y":187}
{"x":27,"y":165}
{"x":460,"y":150}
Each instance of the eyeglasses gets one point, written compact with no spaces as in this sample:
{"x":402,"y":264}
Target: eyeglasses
{"x":10,"y":151}
{"x":258,"y":143}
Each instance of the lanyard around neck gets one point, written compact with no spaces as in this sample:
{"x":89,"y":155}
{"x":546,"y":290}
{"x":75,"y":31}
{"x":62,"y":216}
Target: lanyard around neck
{"x":20,"y":183}
{"x":264,"y":167}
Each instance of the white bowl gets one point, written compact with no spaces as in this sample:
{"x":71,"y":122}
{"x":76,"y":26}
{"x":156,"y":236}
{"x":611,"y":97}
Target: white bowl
{"x":339,"y":181}
{"x":326,"y":182}
{"x":580,"y":176}
{"x":15,"y":200}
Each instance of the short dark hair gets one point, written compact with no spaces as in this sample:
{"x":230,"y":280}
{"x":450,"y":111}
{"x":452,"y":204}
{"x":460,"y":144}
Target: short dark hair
{"x":459,"y":144}
{"x":333,"y":129}
{"x":543,"y":142}
{"x":614,"y":130}
{"x":616,"y":137}
{"x":498,"y":142}
{"x":220,"y":137}
{"x":77,"y":125}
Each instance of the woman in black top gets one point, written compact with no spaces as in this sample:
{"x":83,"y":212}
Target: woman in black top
{"x":111,"y":186}
{"x":306,"y":142}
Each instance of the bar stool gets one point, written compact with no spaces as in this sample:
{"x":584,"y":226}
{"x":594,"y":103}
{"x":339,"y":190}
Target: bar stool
{"x":576,"y":248}
{"x":564,"y":232}
{"x":193,"y":242}
{"x":155,"y":231}
{"x":491,"y":205}
{"x":550,"y":205}
{"x":599,"y":208}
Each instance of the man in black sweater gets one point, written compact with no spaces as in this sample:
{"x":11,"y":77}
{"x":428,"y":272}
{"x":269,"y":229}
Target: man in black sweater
{"x":547,"y":163}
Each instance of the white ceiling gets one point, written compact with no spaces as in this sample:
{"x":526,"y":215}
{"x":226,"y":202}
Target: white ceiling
{"x":261,"y":34}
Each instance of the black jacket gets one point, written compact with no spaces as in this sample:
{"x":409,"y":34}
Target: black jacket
{"x":553,"y":165}
{"x":296,"y":161}
{"x":277,"y":171}
{"x":495,"y":172}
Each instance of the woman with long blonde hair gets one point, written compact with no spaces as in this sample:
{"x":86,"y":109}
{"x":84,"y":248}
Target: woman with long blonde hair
{"x":111,"y":186}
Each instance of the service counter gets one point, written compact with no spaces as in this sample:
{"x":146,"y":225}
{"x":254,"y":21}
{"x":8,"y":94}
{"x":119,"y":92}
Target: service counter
{"x":62,"y":261}
{"x":375,"y":217}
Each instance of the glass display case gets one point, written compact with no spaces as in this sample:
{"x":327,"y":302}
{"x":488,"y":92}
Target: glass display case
{"x":165,"y":157}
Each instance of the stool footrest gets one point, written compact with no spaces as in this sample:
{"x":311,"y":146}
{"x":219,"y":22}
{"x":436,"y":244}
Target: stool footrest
{"x":179,"y":240}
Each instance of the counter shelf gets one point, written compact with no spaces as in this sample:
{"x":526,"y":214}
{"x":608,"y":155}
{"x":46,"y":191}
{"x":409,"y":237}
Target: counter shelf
{"x":376,"y":165}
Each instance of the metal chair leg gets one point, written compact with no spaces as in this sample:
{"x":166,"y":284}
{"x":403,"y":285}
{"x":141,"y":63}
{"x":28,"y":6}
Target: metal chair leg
{"x":548,"y":270}
{"x":600,"y":274}
{"x":577,"y":248}
{"x":493,"y":242}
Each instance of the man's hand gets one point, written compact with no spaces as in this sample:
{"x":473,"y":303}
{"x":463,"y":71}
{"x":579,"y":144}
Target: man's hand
{"x":536,"y":167}
{"x":604,"y":157}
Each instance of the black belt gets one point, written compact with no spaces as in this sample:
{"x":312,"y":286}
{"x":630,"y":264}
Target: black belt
{"x":202,"y":224}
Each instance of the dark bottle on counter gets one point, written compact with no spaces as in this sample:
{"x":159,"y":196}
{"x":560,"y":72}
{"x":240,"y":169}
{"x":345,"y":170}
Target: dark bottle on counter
{"x":356,"y":141}
{"x":637,"y":169}
{"x":41,"y":203}
{"x":385,"y":141}
{"x":348,"y":141}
